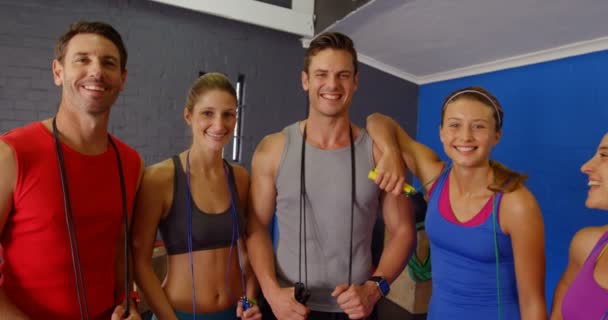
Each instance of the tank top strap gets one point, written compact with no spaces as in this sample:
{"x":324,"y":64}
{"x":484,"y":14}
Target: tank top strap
{"x":438,"y":181}
{"x":599,"y":247}
{"x":178,"y":174}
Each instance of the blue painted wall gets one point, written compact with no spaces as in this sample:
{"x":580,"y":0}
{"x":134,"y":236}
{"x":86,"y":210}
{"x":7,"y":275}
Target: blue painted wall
{"x":555,"y":115}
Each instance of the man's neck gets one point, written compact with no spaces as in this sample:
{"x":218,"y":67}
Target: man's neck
{"x":327,"y":133}
{"x":86,"y":134}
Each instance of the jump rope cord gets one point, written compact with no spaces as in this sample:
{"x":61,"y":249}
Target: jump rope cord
{"x":78,"y":276}
{"x":67,"y":204}
{"x":235,"y":231}
{"x":302,"y":235}
{"x":126,"y":221}
{"x":494,"y":223}
{"x":353,"y":196}
{"x":303,"y":210}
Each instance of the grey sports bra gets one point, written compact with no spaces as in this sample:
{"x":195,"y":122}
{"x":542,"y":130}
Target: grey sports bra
{"x":209,"y":231}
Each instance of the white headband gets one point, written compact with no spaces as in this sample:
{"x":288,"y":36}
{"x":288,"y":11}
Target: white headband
{"x":481,"y":94}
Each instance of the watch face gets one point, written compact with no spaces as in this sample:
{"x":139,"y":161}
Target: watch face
{"x":384,"y":287}
{"x":382,"y":284}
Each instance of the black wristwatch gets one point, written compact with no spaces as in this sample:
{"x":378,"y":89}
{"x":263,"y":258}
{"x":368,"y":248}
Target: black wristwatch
{"x":382,"y":285}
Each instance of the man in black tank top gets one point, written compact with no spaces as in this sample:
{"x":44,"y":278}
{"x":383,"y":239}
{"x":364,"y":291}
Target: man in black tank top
{"x":314,"y":173}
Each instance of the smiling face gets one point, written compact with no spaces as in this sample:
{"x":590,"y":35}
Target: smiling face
{"x":212,"y":119}
{"x":331,"y":82}
{"x":468,"y":132}
{"x":90,"y":74}
{"x":597,"y":170}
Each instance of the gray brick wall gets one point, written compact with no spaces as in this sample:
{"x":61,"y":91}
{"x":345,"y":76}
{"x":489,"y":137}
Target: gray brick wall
{"x":167,"y":47}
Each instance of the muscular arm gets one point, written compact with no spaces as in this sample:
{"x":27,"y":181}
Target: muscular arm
{"x":8,"y":179}
{"x":389,"y":137}
{"x":262,"y":201}
{"x":152,"y":203}
{"x":522,"y":221}
{"x":580,"y":248}
{"x":398,"y":217}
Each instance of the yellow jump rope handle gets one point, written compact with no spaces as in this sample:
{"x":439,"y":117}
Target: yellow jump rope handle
{"x":407,"y":189}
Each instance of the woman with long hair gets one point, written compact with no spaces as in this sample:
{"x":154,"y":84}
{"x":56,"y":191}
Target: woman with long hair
{"x":485,"y":227}
{"x":197,"y":201}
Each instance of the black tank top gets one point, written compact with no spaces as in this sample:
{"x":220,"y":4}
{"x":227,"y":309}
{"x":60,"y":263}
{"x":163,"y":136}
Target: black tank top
{"x":209,"y":231}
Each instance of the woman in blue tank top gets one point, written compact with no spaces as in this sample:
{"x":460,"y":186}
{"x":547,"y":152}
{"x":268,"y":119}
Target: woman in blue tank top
{"x":582,"y":292}
{"x":485,"y":227}
{"x":197,"y":201}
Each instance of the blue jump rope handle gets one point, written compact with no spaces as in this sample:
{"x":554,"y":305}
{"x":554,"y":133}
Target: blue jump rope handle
{"x":245,"y":303}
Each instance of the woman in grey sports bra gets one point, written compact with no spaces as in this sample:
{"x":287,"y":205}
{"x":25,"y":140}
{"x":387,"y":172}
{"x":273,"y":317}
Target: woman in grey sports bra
{"x":197,"y":201}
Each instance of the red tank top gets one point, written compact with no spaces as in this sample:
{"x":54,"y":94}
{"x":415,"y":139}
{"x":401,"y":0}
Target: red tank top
{"x":38,"y":273}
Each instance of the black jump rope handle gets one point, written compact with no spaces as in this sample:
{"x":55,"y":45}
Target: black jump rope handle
{"x":301,"y":293}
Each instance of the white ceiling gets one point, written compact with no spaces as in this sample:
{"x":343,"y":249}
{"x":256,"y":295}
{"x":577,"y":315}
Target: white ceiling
{"x":431,"y":40}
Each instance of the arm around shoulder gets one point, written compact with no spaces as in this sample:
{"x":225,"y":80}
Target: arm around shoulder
{"x":388,"y":135}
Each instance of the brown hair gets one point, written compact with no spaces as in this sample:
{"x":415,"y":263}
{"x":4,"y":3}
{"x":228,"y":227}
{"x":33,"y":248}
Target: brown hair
{"x":103,"y":29}
{"x":330,"y":40}
{"x":505,"y":179}
{"x":206,"y":83}
{"x":478,"y":94}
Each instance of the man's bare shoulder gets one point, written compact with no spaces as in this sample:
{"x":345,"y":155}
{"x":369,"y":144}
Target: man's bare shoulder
{"x":6,"y":152}
{"x":267,"y":154}
{"x":7,"y":159}
{"x":272,"y":143}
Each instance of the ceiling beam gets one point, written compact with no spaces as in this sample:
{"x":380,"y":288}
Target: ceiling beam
{"x":259,"y":13}
{"x":304,"y":6}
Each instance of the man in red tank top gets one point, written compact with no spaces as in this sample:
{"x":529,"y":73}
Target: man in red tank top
{"x":50,"y":270}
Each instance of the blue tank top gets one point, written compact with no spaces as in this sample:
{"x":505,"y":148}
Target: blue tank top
{"x":464,"y":267}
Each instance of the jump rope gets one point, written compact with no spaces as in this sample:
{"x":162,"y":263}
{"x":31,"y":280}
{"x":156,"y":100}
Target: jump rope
{"x":301,"y":291}
{"x":71,"y":228}
{"x":246,"y":303}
